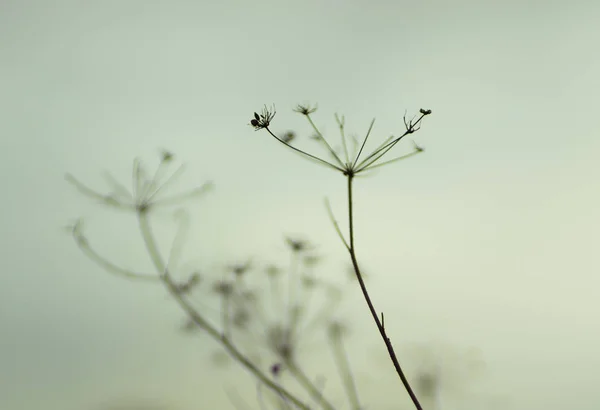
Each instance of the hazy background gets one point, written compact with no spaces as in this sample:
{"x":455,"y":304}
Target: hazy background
{"x":487,"y":240}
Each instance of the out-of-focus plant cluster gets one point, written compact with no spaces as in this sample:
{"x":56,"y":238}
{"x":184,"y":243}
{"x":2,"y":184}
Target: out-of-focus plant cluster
{"x":270,"y":318}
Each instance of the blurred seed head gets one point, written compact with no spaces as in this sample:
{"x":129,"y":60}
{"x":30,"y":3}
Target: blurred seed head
{"x":272,"y":271}
{"x":305,"y":109}
{"x":288,"y":136}
{"x":223,"y":288}
{"x":279,"y":339}
{"x":240,"y":269}
{"x":297,"y":245}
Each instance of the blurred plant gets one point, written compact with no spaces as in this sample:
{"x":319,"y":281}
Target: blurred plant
{"x":443,"y":372}
{"x":352,"y":164}
{"x":269,"y":310}
{"x":144,"y":197}
{"x":272,"y":316}
{"x":266,"y":310}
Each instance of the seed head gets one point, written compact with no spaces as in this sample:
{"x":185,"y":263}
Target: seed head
{"x":263,"y":120}
{"x":305,"y":109}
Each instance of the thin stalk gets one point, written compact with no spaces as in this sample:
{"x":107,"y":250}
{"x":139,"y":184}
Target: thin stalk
{"x":370,"y":166}
{"x":343,"y":134}
{"x":291,"y":283}
{"x":380,"y":327}
{"x":341,"y":360}
{"x":306,"y":154}
{"x":388,"y":145}
{"x":324,"y":141}
{"x":225,"y":315}
{"x":303,"y":379}
{"x":171,"y":286}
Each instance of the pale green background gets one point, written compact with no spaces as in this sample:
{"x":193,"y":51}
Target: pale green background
{"x":488,"y":240}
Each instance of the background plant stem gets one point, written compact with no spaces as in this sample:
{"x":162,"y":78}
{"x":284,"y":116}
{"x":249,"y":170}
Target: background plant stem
{"x":171,"y":286}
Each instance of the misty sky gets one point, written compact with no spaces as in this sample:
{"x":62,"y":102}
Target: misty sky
{"x":488,"y":240}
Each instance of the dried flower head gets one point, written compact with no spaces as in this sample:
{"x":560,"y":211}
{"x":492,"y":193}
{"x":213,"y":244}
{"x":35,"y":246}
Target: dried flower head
{"x":147,"y":189}
{"x":223,"y":288}
{"x":342,"y":159}
{"x":337,"y":329}
{"x":263,"y":120}
{"x":240,"y":269}
{"x":427,"y":383}
{"x":297,"y":245}
{"x":305,"y":109}
{"x":288,"y":136}
{"x":166,"y":156}
{"x":309,"y":282}
{"x":279,"y":339}
{"x":311,"y":260}
{"x":188,"y":285}
{"x":240,"y":318}
{"x":272,"y":271}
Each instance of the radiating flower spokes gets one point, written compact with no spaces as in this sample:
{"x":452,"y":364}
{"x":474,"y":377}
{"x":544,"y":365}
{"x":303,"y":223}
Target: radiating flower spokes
{"x":348,"y":164}
{"x":146,"y":192}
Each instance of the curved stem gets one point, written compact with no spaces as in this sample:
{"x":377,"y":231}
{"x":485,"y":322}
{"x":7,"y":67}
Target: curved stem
{"x":380,"y":327}
{"x":306,"y":154}
{"x":309,"y":386}
{"x":171,"y":286}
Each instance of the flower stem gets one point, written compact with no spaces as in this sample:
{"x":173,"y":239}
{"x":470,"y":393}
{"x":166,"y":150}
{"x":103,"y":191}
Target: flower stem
{"x":378,"y":322}
{"x":171,"y":286}
{"x":309,"y":386}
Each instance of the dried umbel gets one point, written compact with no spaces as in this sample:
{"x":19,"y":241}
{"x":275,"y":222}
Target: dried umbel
{"x":346,"y":163}
{"x":147,"y":192}
{"x":351,"y":164}
{"x":147,"y":188}
{"x":263,"y":120}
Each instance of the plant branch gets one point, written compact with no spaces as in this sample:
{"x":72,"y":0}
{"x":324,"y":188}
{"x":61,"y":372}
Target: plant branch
{"x":382,"y":332}
{"x":171,"y":286}
{"x":324,"y":141}
{"x":341,"y":360}
{"x":336,"y":225}
{"x":306,"y":154}
{"x":309,"y":386}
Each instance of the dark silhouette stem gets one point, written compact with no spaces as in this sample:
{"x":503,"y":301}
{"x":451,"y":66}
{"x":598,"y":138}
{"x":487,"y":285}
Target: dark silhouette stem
{"x":382,"y":332}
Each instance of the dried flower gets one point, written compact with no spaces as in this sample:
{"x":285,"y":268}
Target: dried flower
{"x":188,"y":285}
{"x":337,"y":329}
{"x":166,"y":156}
{"x":223,"y":288}
{"x":146,"y":192}
{"x":272,"y":271}
{"x":263,"y":120}
{"x":279,"y":339}
{"x":297,"y":245}
{"x":288,"y":136}
{"x":311,"y":260}
{"x":349,"y":164}
{"x":305,"y":109}
{"x":240,"y":269}
{"x":240,"y":318}
{"x":428,"y":384}
{"x":309,"y":282}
